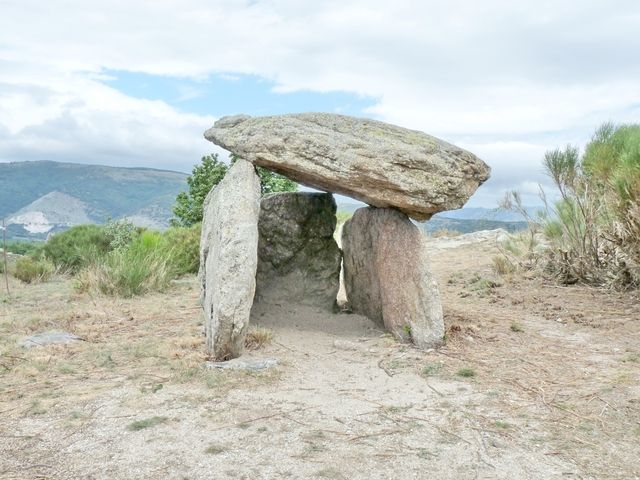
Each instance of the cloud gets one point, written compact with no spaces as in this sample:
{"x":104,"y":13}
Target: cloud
{"x":506,"y":79}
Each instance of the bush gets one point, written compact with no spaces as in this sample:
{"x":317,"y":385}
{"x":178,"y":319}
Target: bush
{"x":593,"y":231}
{"x":78,"y":247}
{"x":23,"y":248}
{"x":31,"y":270}
{"x":120,"y":233}
{"x":127,"y":273}
{"x":182,"y":247}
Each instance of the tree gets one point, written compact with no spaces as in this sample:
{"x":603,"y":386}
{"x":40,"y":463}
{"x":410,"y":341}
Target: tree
{"x":188,"y":207}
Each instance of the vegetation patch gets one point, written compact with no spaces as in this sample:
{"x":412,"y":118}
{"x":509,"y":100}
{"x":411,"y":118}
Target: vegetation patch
{"x":215,"y":449}
{"x":258,"y":337}
{"x":146,"y":423}
{"x":31,"y":270}
{"x":516,"y":327}
{"x":466,"y":372}
{"x":592,"y":232}
{"x":432,"y":369}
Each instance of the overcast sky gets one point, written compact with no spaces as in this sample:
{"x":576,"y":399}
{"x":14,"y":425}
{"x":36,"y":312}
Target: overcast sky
{"x":136,"y":83}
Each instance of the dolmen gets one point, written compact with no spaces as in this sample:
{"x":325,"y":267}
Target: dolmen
{"x":281,"y":248}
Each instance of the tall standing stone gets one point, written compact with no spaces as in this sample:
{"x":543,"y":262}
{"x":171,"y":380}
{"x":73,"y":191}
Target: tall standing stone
{"x":380,"y":164}
{"x":387,"y":277}
{"x":228,"y":259}
{"x":298,"y":258}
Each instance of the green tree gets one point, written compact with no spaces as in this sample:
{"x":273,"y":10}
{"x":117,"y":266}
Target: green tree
{"x":188,"y":207}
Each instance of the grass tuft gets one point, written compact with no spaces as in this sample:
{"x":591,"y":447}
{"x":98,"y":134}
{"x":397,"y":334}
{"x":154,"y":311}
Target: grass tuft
{"x":146,"y":423}
{"x":466,"y":372}
{"x":257,"y":338}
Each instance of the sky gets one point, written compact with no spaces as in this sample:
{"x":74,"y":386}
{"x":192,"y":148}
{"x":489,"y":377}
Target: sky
{"x":136,"y":83}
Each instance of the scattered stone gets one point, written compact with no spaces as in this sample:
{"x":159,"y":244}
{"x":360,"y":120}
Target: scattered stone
{"x":375,"y":162}
{"x":387,"y":277}
{"x":298,"y":258}
{"x":228,"y":259}
{"x":49,"y":338}
{"x":253,"y":365}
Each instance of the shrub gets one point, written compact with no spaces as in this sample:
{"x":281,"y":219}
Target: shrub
{"x":127,"y":273}
{"x":77,"y":247}
{"x":593,"y":231}
{"x":31,"y":270}
{"x":182,"y":247}
{"x":120,"y":233}
{"x":23,"y":248}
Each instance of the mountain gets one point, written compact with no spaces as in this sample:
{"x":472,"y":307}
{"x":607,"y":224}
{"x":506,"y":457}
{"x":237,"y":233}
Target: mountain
{"x":464,"y":225}
{"x":464,"y":220}
{"x":38,"y":198}
{"x":492,"y":214}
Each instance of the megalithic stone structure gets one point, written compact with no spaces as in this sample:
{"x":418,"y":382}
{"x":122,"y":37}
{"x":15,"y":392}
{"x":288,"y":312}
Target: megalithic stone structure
{"x":229,"y":259}
{"x":404,"y":173}
{"x":387,"y":276}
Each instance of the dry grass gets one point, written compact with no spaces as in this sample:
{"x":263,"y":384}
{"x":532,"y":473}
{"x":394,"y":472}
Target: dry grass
{"x":153,"y":341}
{"x":257,"y":338}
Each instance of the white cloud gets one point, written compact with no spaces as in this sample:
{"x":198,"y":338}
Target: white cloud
{"x":506,"y":79}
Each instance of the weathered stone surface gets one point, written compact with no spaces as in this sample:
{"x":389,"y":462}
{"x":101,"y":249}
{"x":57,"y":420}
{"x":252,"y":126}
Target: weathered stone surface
{"x":298,"y":258}
{"x":387,"y":277}
{"x":253,"y":365}
{"x":228,"y":259}
{"x":49,"y":338}
{"x":380,"y":164}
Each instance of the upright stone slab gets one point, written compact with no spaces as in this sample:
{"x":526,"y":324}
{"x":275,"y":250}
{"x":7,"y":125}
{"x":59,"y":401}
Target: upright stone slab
{"x":298,"y":258}
{"x":228,"y":259}
{"x":381,"y":164}
{"x":387,"y":277}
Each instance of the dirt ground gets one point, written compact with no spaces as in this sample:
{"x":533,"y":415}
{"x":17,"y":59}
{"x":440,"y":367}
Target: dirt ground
{"x":535,"y":381}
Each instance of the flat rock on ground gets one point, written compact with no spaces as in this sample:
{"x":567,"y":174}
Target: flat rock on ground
{"x":49,"y":338}
{"x":375,"y":162}
{"x":229,"y":258}
{"x":387,"y":276}
{"x":298,"y":258}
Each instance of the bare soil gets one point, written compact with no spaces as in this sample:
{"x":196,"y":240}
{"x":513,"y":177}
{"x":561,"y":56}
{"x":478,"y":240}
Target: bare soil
{"x":535,"y":381}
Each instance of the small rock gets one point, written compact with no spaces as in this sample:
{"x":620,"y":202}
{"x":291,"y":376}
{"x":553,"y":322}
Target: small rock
{"x":49,"y":338}
{"x":254,"y":365}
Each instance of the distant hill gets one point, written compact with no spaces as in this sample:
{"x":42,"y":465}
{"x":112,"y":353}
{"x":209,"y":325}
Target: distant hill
{"x":464,"y":220}
{"x":463,"y":225}
{"x":38,"y":198}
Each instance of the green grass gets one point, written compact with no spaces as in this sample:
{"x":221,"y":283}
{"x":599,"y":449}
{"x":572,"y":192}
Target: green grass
{"x":466,"y":373}
{"x":432,"y":369}
{"x":146,"y":423}
{"x":516,"y":327}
